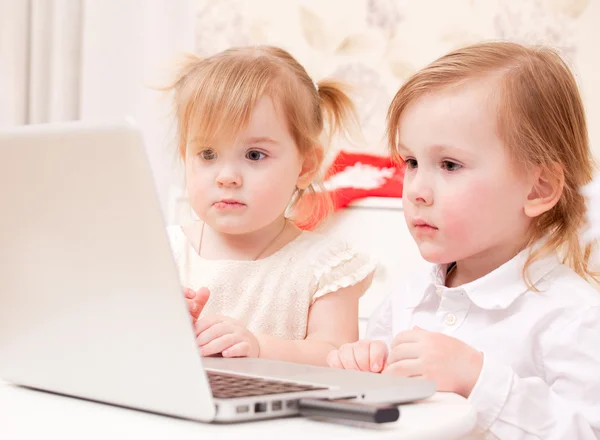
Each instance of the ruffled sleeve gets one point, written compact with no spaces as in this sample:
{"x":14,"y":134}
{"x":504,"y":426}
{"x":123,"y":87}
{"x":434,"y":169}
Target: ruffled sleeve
{"x":337,"y":265}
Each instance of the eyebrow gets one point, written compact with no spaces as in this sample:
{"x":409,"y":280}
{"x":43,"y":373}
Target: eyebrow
{"x":436,"y":148}
{"x":261,"y":140}
{"x":251,"y":140}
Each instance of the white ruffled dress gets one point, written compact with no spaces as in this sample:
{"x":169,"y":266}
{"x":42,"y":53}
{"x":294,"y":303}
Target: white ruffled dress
{"x":272,"y":295}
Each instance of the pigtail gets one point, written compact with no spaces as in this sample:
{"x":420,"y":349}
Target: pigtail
{"x":336,"y":116}
{"x":338,"y":111}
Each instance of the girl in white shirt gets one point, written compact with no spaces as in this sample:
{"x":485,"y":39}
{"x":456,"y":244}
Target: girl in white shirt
{"x":250,"y":127}
{"x":496,"y":147}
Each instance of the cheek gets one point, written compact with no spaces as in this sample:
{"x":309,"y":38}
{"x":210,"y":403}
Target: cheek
{"x":274,"y":182}
{"x":457,"y":220}
{"x":196,"y":186}
{"x":467,"y":209}
{"x":483,"y":208}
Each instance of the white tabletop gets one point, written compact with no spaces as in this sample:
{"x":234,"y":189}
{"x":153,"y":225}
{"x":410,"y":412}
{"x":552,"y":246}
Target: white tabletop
{"x":28,"y":414}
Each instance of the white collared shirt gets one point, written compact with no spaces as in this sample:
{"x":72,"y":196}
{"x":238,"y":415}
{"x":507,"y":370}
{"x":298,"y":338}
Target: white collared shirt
{"x":541,"y":368}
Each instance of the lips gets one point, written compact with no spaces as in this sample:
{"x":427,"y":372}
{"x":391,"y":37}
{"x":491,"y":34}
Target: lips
{"x":422,"y":224}
{"x":229,"y":204}
{"x":422,"y":229}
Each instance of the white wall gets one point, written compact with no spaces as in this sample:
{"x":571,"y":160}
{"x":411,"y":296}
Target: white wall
{"x":376,"y":44}
{"x":587,"y":36}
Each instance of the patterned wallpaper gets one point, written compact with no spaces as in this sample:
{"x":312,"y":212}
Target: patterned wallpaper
{"x":375,"y":44}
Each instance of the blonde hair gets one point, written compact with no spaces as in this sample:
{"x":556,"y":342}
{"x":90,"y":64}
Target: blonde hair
{"x":216,"y":96}
{"x":541,"y":120}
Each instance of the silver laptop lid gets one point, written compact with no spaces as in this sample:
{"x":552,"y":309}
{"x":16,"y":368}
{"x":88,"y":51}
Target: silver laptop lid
{"x":82,"y":237}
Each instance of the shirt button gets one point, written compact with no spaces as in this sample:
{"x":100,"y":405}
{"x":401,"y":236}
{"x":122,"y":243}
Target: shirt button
{"x":439,"y":291}
{"x":450,"y":319}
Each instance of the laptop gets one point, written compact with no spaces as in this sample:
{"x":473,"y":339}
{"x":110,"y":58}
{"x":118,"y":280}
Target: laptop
{"x":90,"y":301}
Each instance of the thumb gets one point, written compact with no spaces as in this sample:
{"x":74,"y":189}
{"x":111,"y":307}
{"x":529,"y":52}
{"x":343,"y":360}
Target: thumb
{"x":202,"y":296}
{"x":378,"y":353}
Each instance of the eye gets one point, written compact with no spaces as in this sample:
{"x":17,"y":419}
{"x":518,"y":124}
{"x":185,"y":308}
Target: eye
{"x":208,"y":154}
{"x":255,"y":155}
{"x":411,"y":163}
{"x":448,"y":165}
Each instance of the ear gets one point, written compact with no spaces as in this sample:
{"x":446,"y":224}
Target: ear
{"x":310,"y":167}
{"x":547,"y":187}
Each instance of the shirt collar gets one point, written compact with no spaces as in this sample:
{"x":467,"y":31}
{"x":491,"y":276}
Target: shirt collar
{"x":494,"y":291}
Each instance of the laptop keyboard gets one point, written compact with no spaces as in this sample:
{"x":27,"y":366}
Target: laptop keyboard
{"x":230,"y":386}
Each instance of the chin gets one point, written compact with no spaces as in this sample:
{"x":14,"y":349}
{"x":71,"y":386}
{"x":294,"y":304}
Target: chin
{"x":230,"y":230}
{"x":229,"y":227}
{"x":235,"y":230}
{"x":435,"y":255}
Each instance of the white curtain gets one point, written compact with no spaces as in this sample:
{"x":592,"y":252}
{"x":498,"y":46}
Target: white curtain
{"x":129,"y":46}
{"x":40,"y":55}
{"x":94,"y":60}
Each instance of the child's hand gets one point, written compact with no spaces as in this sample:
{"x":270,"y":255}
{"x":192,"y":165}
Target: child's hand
{"x":221,"y":334}
{"x":361,"y":356}
{"x":453,"y":365}
{"x":196,"y":301}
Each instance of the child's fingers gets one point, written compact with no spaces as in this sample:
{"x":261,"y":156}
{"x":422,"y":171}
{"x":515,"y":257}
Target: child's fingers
{"x":407,"y":336}
{"x":333,"y":359}
{"x":206,"y":322}
{"x":362,"y":355}
{"x":377,"y":355}
{"x":406,"y":367}
{"x":347,"y":357}
{"x":240,"y":349}
{"x":406,"y":350}
{"x":189,"y":293}
{"x":193,"y":308}
{"x":202,"y":297}
{"x":213,"y":332}
{"x":220,"y":344}
{"x":196,"y":300}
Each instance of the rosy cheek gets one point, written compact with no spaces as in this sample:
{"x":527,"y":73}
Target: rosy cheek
{"x":456,"y":215}
{"x":454,"y":223}
{"x":469,"y":206}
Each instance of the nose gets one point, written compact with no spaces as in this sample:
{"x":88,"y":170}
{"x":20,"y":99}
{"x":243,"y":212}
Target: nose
{"x":418,"y":188}
{"x":229,"y":177}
